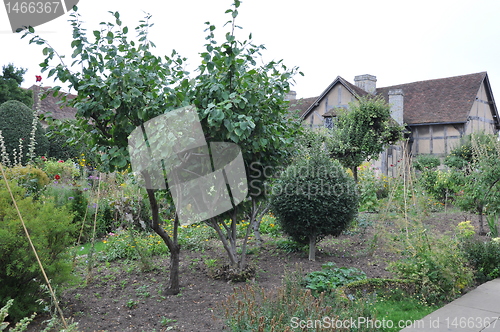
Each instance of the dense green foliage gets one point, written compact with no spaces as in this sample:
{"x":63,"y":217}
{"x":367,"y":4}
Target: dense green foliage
{"x":10,"y":86}
{"x":330,"y":277}
{"x":16,"y":123}
{"x":480,"y":176}
{"x":31,"y":178}
{"x":436,"y":266}
{"x":423,"y":162}
{"x":50,"y":230}
{"x":484,"y":256}
{"x":243,"y":102}
{"x":58,"y":148}
{"x":313,"y":198}
{"x":362,"y":132}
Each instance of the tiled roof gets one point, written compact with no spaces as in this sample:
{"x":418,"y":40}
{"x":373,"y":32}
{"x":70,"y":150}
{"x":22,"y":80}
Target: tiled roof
{"x":444,"y":100}
{"x":301,"y":105}
{"x":50,"y":104}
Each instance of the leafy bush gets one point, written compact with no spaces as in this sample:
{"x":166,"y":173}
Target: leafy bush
{"x":60,"y":170}
{"x":331,"y":277}
{"x":59,"y":149}
{"x":436,"y":265}
{"x":466,"y":153}
{"x":29,"y":177}
{"x":441,"y":185}
{"x":16,"y":121}
{"x":423,"y":162}
{"x":372,"y":187}
{"x":50,"y":230}
{"x":484,"y":257}
{"x":313,"y":198}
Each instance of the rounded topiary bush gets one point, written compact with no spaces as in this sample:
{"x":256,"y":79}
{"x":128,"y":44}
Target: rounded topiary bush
{"x":313,"y":198}
{"x":16,"y":121}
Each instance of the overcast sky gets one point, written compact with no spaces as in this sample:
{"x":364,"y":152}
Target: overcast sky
{"x":397,"y":41}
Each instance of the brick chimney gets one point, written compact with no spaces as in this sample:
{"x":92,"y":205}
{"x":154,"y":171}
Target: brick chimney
{"x":292,"y":95}
{"x":366,"y":82}
{"x":396,"y":101}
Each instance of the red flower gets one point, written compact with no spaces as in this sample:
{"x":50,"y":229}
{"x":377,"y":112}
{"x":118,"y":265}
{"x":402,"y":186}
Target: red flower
{"x":60,"y":161}
{"x":43,"y":158}
{"x":392,"y":165}
{"x":38,"y":78}
{"x":57,"y":177}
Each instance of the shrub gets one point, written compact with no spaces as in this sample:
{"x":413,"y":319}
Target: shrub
{"x":60,"y":170}
{"x":466,"y":153}
{"x":59,"y":149}
{"x":16,"y":121}
{"x":50,"y":230}
{"x":423,"y":162}
{"x":436,"y":265}
{"x":29,"y":177}
{"x":441,"y":185}
{"x":313,"y":198}
{"x":484,"y":257}
{"x":371,"y":188}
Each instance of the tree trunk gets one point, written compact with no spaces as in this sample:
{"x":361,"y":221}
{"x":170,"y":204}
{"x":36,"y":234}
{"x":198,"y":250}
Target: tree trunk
{"x":354,"y":170}
{"x":231,"y":254}
{"x":256,"y":218}
{"x":312,"y":247}
{"x":481,"y":222}
{"x":173,"y":285}
{"x":172,"y":244}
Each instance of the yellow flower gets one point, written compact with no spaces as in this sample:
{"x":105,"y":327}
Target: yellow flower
{"x":104,"y":241}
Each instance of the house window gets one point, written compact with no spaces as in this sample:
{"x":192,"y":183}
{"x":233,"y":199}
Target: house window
{"x":329,"y":122}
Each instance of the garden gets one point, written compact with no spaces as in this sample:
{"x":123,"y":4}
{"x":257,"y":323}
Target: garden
{"x":323,"y":236}
{"x":412,"y":246}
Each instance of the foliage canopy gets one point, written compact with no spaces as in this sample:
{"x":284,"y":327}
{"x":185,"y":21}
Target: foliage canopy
{"x":10,"y":88}
{"x":313,"y":198}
